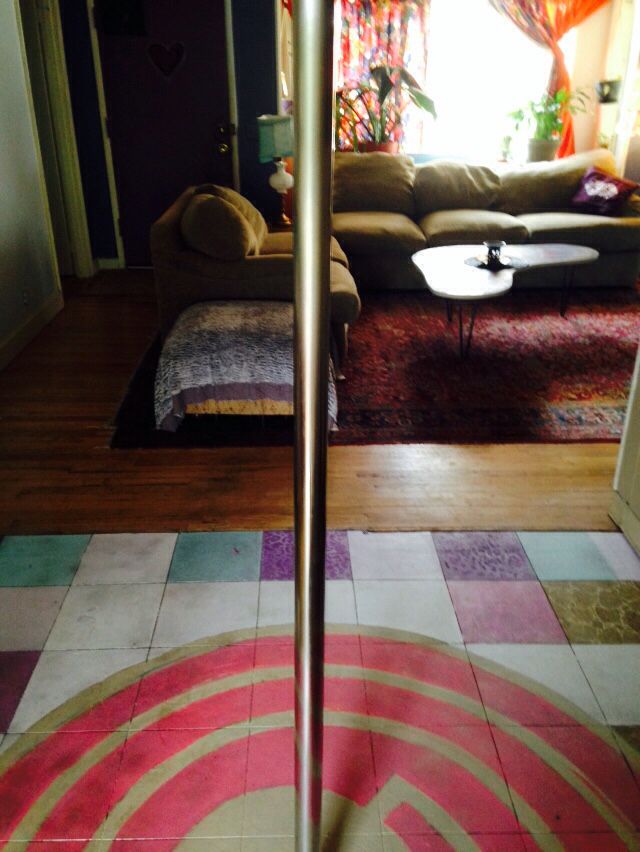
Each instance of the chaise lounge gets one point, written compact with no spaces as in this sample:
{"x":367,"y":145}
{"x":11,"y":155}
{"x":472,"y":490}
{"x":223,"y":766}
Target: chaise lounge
{"x":213,"y":245}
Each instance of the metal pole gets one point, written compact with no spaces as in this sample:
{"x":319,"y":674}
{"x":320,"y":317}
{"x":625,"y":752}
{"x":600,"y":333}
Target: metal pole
{"x":313,"y":45}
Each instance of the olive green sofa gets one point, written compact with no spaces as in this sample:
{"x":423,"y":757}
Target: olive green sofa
{"x":385,"y":209}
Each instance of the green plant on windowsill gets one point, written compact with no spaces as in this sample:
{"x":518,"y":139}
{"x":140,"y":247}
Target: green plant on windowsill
{"x":369,"y":114}
{"x":544,"y":119}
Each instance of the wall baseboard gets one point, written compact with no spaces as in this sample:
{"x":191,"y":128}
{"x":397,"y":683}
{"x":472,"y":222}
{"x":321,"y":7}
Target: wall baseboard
{"x":109,"y":263}
{"x":25,"y":333}
{"x":621,"y":513}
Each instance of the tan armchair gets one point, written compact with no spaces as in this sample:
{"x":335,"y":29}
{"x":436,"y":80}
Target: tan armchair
{"x":185,"y":276}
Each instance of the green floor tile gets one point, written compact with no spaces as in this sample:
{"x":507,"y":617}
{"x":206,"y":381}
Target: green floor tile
{"x":565,"y":556}
{"x":40,"y":560}
{"x":220,"y":556}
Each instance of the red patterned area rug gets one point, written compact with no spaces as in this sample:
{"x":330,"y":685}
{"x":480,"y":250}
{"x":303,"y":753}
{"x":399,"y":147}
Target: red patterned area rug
{"x":531,"y":376}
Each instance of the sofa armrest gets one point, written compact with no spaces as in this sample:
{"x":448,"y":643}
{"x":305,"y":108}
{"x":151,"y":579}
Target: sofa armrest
{"x":632,"y":207}
{"x":253,"y":267}
{"x":188,"y":277}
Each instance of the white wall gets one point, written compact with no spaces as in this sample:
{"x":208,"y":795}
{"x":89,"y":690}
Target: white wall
{"x":591,"y":48}
{"x":625,"y":507}
{"x":29,"y":282}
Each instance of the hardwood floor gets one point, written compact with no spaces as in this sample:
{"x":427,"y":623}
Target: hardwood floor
{"x":57,"y":473}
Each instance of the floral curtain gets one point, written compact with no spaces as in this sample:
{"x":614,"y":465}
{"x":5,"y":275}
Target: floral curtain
{"x":376,"y":32}
{"x":373,"y":32}
{"x":546,"y":21}
{"x":379,"y":32}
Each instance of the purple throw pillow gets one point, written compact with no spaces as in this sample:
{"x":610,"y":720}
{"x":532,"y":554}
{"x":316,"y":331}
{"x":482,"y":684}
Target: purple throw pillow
{"x":602,"y":193}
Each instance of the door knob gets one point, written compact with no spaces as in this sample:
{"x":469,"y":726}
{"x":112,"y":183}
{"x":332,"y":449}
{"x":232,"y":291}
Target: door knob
{"x":223,"y":148}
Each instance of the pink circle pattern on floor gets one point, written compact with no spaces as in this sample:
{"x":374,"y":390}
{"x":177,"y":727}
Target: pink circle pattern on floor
{"x":198,"y":742}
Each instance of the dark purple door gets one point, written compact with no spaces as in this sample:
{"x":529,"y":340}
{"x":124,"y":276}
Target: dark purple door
{"x":165,"y":77}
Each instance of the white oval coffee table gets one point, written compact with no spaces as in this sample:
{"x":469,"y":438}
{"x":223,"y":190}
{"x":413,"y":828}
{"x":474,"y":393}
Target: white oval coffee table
{"x":448,"y":276}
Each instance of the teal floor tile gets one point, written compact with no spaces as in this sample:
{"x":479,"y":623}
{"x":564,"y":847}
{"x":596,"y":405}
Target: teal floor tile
{"x":222,"y":556}
{"x":565,"y":556}
{"x":40,"y":560}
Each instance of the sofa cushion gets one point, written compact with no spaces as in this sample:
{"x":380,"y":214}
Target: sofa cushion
{"x":367,"y":232}
{"x":281,"y":242}
{"x":449,"y":227}
{"x":602,"y":194}
{"x":603,"y":233}
{"x":253,"y":216}
{"x":373,"y":182}
{"x":444,"y":185}
{"x":540,"y":187}
{"x":216,"y":228}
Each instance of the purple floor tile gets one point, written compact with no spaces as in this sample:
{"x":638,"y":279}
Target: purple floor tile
{"x":505,"y":612}
{"x":16,"y":668}
{"x":278,"y":556}
{"x":338,"y":561}
{"x":482,"y":556}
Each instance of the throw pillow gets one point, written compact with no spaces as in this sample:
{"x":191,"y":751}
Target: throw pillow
{"x":214,"y":227}
{"x":253,"y":216}
{"x":602,"y":193}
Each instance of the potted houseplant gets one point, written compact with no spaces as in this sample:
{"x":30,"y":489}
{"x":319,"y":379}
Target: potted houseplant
{"x":369,"y":115}
{"x":544,"y":119}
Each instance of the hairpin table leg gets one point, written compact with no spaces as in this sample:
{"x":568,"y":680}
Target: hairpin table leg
{"x":465,"y":340}
{"x":566,"y":289}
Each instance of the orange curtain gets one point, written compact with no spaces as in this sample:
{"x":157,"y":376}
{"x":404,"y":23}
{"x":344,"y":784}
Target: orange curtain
{"x":546,"y":21}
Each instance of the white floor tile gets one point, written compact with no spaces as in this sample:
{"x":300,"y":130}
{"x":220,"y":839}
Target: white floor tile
{"x":277,"y":605}
{"x":419,"y":606}
{"x":553,"y":666}
{"x":61,"y":675}
{"x":95,"y":617}
{"x":27,"y":615}
{"x":126,"y":558}
{"x":614,"y":674}
{"x":621,"y":557}
{"x":340,"y":602}
{"x":394,"y":556}
{"x":190,"y":612}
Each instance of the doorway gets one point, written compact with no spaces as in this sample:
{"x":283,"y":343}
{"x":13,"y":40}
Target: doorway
{"x":166,"y":84}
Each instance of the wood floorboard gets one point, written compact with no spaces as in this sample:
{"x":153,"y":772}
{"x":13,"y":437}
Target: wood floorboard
{"x":58,"y":475}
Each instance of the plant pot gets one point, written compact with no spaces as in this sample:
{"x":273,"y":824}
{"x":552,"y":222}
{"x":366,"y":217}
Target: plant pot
{"x":384,"y":147}
{"x":542,"y":149}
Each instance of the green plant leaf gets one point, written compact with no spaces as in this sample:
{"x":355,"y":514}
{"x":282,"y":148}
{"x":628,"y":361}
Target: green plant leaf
{"x":382,"y":96}
{"x":423,"y":101}
{"x":381,"y":75}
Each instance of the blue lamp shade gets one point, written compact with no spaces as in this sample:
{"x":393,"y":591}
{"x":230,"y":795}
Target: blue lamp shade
{"x":275,"y":133}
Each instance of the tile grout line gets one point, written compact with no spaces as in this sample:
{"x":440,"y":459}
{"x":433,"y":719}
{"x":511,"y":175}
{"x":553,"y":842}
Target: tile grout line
{"x":591,"y":689}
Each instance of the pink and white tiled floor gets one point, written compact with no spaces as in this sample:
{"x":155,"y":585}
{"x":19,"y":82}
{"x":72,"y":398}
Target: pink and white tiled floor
{"x":483,"y":692}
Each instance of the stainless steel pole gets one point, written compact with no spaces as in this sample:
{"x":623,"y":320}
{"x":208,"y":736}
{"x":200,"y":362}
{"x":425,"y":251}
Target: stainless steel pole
{"x":313,"y":97}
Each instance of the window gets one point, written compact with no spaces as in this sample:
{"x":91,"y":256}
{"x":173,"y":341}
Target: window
{"x":480,"y":67}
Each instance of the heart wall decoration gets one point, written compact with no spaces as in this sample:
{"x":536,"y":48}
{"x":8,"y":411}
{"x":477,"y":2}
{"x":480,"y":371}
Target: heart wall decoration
{"x":166,"y":57}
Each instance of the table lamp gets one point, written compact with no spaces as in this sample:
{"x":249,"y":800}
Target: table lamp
{"x":275,"y":133}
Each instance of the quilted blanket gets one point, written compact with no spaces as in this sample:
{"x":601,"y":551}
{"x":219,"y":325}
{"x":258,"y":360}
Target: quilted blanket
{"x":229,"y":357}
